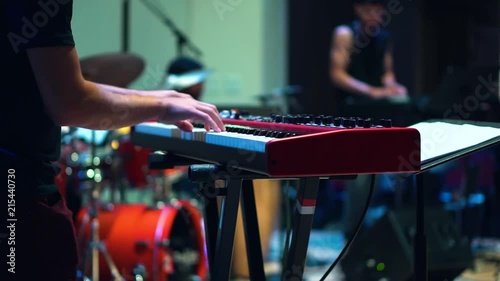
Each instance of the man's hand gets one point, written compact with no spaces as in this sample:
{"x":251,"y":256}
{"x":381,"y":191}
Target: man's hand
{"x":398,"y":89}
{"x":380,"y":92}
{"x":182,"y":109}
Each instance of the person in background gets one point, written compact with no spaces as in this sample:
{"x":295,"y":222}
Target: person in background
{"x":185,"y":75}
{"x":361,"y":70}
{"x":361,"y":60}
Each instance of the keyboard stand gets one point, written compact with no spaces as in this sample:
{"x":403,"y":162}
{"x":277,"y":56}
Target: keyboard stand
{"x":220,"y":229}
{"x":220,"y":240}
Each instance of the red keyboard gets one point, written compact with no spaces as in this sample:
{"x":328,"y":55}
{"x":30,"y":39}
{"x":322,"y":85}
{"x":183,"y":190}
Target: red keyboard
{"x":292,"y":146}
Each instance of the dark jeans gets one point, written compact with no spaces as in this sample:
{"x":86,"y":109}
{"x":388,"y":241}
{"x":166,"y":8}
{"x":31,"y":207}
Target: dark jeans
{"x":37,"y":236}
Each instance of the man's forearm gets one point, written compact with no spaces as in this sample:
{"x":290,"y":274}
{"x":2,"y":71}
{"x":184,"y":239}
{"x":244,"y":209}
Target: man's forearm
{"x":389,"y":79}
{"x":124,"y":91}
{"x":348,"y":83}
{"x":105,"y":107}
{"x":117,"y":90}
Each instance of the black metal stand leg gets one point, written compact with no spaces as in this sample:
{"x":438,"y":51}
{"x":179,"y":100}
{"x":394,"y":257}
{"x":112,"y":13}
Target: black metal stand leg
{"x":252,"y":233}
{"x":420,"y":263}
{"x":302,"y":224}
{"x":211,"y":219}
{"x":227,"y":227}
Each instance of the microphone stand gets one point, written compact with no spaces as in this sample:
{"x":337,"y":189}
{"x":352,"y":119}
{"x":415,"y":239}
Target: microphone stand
{"x":182,"y":39}
{"x":125,"y":25}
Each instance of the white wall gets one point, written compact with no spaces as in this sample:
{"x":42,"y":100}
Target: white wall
{"x":96,"y":26}
{"x":243,"y":41}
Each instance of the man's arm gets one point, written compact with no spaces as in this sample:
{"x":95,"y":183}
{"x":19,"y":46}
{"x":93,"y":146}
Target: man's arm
{"x":340,"y":53}
{"x":72,"y":101}
{"x":389,"y":77}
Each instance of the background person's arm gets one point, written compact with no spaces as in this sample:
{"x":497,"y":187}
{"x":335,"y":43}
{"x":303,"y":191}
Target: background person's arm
{"x":340,"y":53}
{"x":389,"y":78}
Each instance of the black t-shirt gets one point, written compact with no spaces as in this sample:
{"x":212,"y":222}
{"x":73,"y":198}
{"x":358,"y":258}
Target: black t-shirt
{"x":27,"y":130}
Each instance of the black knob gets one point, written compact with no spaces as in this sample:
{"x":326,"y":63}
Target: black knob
{"x":351,"y":123}
{"x":337,"y":121}
{"x":367,"y":123}
{"x":318,"y":119}
{"x":344,"y":122}
{"x":327,"y":120}
{"x":278,"y":118}
{"x":360,"y":122}
{"x":386,"y":123}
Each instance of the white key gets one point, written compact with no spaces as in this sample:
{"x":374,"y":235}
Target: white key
{"x":225,"y":139}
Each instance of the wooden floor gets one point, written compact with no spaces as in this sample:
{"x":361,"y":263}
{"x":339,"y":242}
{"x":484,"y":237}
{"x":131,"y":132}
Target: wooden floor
{"x":484,"y":271}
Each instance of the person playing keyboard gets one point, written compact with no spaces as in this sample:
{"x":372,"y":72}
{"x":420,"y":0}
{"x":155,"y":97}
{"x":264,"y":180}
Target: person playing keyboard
{"x":361,"y":61}
{"x":43,"y":89}
{"x":361,"y":70}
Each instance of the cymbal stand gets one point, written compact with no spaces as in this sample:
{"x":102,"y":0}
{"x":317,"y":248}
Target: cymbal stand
{"x":96,"y":246}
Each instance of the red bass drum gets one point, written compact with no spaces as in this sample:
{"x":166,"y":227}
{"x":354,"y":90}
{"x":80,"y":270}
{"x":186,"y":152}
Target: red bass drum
{"x":160,"y":244}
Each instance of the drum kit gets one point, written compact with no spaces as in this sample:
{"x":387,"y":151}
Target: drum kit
{"x":158,"y":239}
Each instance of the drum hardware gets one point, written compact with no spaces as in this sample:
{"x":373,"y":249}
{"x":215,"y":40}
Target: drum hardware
{"x":162,"y":190}
{"x":96,"y":246}
{"x":140,"y":273}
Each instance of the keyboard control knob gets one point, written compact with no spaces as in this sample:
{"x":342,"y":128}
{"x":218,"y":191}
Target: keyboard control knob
{"x":367,"y":123}
{"x":343,"y":122}
{"x":235,"y":115}
{"x":225,"y":114}
{"x":360,"y":122}
{"x":327,"y":120}
{"x":386,"y":123}
{"x":278,"y":118}
{"x":337,"y":121}
{"x":318,"y":119}
{"x":351,"y":123}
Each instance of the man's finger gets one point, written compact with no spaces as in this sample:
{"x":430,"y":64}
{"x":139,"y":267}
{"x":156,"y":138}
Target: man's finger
{"x":214,"y":114}
{"x":185,"y":125}
{"x":207,"y":119}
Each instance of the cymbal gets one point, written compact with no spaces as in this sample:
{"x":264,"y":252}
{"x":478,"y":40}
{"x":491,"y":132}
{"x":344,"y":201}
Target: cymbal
{"x":115,"y":69}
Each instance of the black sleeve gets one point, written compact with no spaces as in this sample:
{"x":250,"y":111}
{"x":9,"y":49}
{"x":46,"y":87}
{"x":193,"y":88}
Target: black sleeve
{"x":39,"y":23}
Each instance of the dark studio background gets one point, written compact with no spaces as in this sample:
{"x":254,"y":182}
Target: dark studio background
{"x":431,"y":38}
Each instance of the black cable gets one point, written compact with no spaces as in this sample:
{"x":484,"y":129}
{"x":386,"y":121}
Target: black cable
{"x":358,"y":228}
